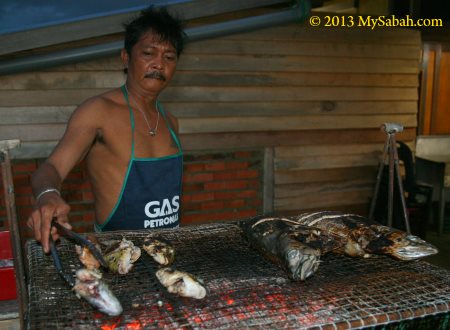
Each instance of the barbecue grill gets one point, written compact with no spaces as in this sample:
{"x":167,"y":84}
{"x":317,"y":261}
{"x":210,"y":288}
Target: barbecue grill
{"x":244,"y":290}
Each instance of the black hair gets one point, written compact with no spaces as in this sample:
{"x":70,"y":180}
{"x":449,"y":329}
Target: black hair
{"x":169,"y":28}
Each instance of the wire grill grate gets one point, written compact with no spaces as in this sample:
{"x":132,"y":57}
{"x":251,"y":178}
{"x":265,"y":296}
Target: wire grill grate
{"x":244,"y":290}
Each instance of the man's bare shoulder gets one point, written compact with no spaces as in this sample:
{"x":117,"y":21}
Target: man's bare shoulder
{"x":98,"y":104}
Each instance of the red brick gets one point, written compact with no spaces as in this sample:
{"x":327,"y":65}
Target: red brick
{"x":198,"y":197}
{"x":88,"y":196}
{"x":189,"y":207}
{"x":85,"y":185}
{"x":254,"y":202}
{"x":216,"y":205}
{"x":21,"y":179}
{"x":72,"y":186}
{"x":200,"y":217}
{"x":255,"y":185}
{"x":185,"y":199}
{"x":216,"y":216}
{"x":24,"y":201}
{"x":75,"y":176}
{"x":89,"y":216}
{"x":72,"y":195}
{"x":189,"y":187}
{"x":200,"y":177}
{"x":222,"y":176}
{"x":225,"y":185}
{"x":80,"y":207}
{"x":235,"y":203}
{"x":28,"y":167}
{"x":194,"y":168}
{"x":247,"y":174}
{"x":224,"y":195}
{"x":236,"y":165}
{"x":225,"y":169}
{"x":216,"y":166}
{"x":24,"y":190}
{"x":24,"y":212}
{"x":246,"y":194}
{"x":194,"y":218}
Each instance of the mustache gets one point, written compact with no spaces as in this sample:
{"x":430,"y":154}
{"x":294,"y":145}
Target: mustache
{"x":155,"y":75}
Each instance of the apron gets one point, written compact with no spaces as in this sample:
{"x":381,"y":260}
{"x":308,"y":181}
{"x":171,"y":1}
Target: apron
{"x":150,"y":196}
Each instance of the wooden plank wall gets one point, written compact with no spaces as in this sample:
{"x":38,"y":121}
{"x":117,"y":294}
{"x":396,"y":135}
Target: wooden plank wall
{"x":315,"y":98}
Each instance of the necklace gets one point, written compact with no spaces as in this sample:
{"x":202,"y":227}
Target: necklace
{"x":151,"y":131}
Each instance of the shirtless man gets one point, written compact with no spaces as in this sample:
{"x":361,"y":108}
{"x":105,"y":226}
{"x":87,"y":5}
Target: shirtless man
{"x":129,"y":142}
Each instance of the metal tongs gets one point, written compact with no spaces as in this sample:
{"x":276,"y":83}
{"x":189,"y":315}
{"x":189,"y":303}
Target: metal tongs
{"x":79,"y":240}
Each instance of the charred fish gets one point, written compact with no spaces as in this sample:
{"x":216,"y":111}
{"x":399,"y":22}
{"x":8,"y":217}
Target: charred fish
{"x":121,"y":256}
{"x":296,"y":248}
{"x":89,"y":285}
{"x":181,"y":283}
{"x":85,"y":255}
{"x":361,"y":237}
{"x":160,"y":250}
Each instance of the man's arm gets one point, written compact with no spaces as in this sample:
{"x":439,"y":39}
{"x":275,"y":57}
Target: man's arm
{"x":46,"y":182}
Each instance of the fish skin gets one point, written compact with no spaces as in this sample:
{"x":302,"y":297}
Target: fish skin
{"x":361,"y":237}
{"x":294,"y":247}
{"x":86,"y":257}
{"x":181,"y":283}
{"x":89,"y":285}
{"x":121,"y":256}
{"x":160,"y":250}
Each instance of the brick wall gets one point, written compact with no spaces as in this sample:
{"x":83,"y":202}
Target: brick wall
{"x":216,"y":187}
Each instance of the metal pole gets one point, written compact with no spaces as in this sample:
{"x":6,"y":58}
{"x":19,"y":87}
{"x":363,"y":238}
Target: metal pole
{"x":391,"y":181}
{"x":400,"y":184}
{"x":379,"y":176}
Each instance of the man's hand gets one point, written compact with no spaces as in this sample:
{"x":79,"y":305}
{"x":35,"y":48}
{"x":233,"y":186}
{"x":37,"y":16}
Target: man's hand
{"x":49,"y":206}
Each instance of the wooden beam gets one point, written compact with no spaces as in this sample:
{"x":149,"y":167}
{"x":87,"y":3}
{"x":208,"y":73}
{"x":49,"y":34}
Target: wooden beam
{"x":290,"y":123}
{"x":212,"y":141}
{"x":58,"y":80}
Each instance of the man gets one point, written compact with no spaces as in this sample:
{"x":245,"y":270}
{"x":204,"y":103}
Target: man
{"x":128,"y":141}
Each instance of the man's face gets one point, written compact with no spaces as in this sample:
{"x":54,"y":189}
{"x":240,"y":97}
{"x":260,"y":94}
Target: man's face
{"x":152,"y":63}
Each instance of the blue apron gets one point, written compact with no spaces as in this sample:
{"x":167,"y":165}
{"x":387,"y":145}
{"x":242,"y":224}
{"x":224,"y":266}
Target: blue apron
{"x":150,"y":196}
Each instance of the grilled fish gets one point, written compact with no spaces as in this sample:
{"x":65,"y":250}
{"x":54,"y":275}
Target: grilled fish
{"x":361,"y":237}
{"x":161,"y":251}
{"x":85,"y":255}
{"x":89,"y":285}
{"x":294,"y":247}
{"x":121,"y":255}
{"x":181,"y":283}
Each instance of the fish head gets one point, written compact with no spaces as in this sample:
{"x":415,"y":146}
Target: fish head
{"x":413,"y":247}
{"x":401,"y":246}
{"x":89,"y":285}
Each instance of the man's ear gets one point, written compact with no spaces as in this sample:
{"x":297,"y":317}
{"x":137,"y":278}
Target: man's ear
{"x":125,"y":59}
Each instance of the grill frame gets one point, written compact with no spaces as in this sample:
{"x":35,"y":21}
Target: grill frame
{"x":245,"y":290}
